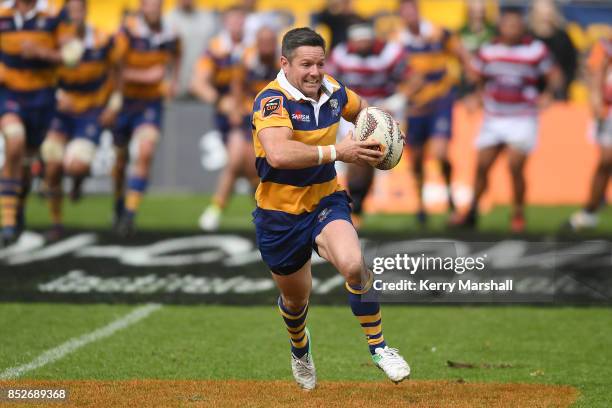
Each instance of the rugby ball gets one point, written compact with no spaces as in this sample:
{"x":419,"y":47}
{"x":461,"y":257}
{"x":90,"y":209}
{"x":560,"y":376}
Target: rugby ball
{"x":375,"y":123}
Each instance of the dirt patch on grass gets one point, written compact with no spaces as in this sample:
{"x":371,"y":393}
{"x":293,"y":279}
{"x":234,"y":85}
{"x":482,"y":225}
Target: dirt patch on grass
{"x":242,"y":394}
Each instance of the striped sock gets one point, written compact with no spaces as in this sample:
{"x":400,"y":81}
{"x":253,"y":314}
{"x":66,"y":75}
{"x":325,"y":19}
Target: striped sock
{"x":136,"y":187}
{"x":9,"y":202}
{"x":296,"y":326}
{"x":368,"y":314}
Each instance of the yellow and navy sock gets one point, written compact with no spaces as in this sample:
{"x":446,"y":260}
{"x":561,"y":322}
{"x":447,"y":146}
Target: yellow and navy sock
{"x":368,"y":314}
{"x":296,"y":326}
{"x":9,"y":202}
{"x":136,"y":188}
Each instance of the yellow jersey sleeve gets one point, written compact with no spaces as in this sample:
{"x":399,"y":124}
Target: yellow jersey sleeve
{"x":270,"y":110}
{"x":351,"y":108}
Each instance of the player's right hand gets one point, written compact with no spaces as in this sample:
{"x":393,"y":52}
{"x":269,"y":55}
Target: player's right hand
{"x":364,"y":153}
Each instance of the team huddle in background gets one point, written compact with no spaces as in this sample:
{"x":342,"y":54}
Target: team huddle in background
{"x":62,"y":82}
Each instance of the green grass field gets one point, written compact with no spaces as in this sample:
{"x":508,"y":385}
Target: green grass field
{"x":534,"y":345}
{"x":184,"y":210}
{"x":506,"y":344}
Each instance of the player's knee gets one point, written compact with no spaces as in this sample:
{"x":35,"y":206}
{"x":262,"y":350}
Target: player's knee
{"x":14,"y":131}
{"x":79,"y":156}
{"x":294,"y":303}
{"x":52,"y":151}
{"x":146,"y":136}
{"x":352,"y":270}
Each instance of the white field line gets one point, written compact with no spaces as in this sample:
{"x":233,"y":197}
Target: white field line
{"x":75,"y":343}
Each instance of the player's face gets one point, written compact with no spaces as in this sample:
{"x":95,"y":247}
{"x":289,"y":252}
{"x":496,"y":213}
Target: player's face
{"x":511,"y":27}
{"x":363,"y":47}
{"x":409,"y":12}
{"x":306,"y":69}
{"x":151,"y":9}
{"x":234,"y":24}
{"x":76,"y":11}
{"x":266,"y":43}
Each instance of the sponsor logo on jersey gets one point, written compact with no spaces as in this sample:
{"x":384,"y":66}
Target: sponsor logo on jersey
{"x":272,"y":105}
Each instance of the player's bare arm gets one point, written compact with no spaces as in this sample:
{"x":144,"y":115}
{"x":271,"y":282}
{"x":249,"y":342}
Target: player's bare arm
{"x":151,"y":75}
{"x":284,"y":153}
{"x":202,"y":86}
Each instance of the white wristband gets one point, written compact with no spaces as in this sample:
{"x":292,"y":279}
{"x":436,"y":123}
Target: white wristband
{"x":333,"y":152}
{"x":320,"y":149}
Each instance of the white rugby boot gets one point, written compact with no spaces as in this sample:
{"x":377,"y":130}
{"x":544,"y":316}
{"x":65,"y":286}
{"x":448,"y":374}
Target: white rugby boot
{"x":210,"y":218}
{"x":583,"y":220}
{"x":303,"y":368}
{"x":392,"y":363}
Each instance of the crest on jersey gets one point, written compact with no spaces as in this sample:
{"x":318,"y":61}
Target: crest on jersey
{"x":324,"y":214}
{"x":333,"y":103}
{"x":272,"y":105}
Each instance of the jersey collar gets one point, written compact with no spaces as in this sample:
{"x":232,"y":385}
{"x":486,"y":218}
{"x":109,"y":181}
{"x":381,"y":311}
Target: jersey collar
{"x":326,"y":86}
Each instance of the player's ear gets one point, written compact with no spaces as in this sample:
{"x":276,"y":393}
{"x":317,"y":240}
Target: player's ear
{"x":284,"y":64}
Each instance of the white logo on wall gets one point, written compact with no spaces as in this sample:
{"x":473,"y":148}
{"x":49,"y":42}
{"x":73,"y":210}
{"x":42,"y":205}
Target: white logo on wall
{"x":105,"y":156}
{"x":213,"y":156}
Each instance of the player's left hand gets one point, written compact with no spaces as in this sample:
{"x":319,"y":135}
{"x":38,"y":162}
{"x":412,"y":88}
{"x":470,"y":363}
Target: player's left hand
{"x":30,"y":50}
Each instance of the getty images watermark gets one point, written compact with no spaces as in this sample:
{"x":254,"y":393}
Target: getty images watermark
{"x":415,"y":264}
{"x":459,"y":272}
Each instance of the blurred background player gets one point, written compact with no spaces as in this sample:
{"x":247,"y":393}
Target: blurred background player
{"x":546,"y":23}
{"x":429,"y":87}
{"x":600,"y":67}
{"x":84,"y":108}
{"x":150,"y":51}
{"x":477,"y":30}
{"x":258,"y":67}
{"x":29,"y":55}
{"x":372,"y":68}
{"x":510,"y":70}
{"x":212,"y":84}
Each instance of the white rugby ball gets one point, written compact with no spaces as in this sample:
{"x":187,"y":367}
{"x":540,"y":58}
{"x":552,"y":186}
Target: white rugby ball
{"x":375,"y":123}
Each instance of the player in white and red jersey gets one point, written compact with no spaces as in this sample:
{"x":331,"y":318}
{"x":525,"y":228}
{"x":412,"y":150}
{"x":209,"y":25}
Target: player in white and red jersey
{"x":511,"y":70}
{"x":372,"y":68}
{"x":600,"y":68}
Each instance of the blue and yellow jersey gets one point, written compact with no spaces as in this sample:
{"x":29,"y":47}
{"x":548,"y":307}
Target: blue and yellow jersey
{"x":430,"y":57}
{"x":222,"y":60}
{"x":32,"y":81}
{"x":139,"y":47}
{"x":89,"y":84}
{"x":313,"y":123}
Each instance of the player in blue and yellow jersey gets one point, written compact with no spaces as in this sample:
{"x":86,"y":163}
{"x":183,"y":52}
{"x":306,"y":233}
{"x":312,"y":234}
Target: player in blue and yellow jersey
{"x":84,"y":107}
{"x":301,"y":207}
{"x":432,"y":74}
{"x":149,"y":49}
{"x":215,"y":83}
{"x":29,"y":52}
{"x":258,"y":67}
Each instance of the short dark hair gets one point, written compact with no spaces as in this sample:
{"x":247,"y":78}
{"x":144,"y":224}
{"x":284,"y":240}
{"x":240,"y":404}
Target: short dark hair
{"x":299,"y":37}
{"x":516,"y":10}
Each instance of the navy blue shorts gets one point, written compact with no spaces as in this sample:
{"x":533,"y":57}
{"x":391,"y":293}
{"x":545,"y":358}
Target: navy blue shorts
{"x":134,"y":114}
{"x":437,"y":123}
{"x":223,"y":125}
{"x":78,"y":126}
{"x":286,"y":241}
{"x":35,"y":119}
